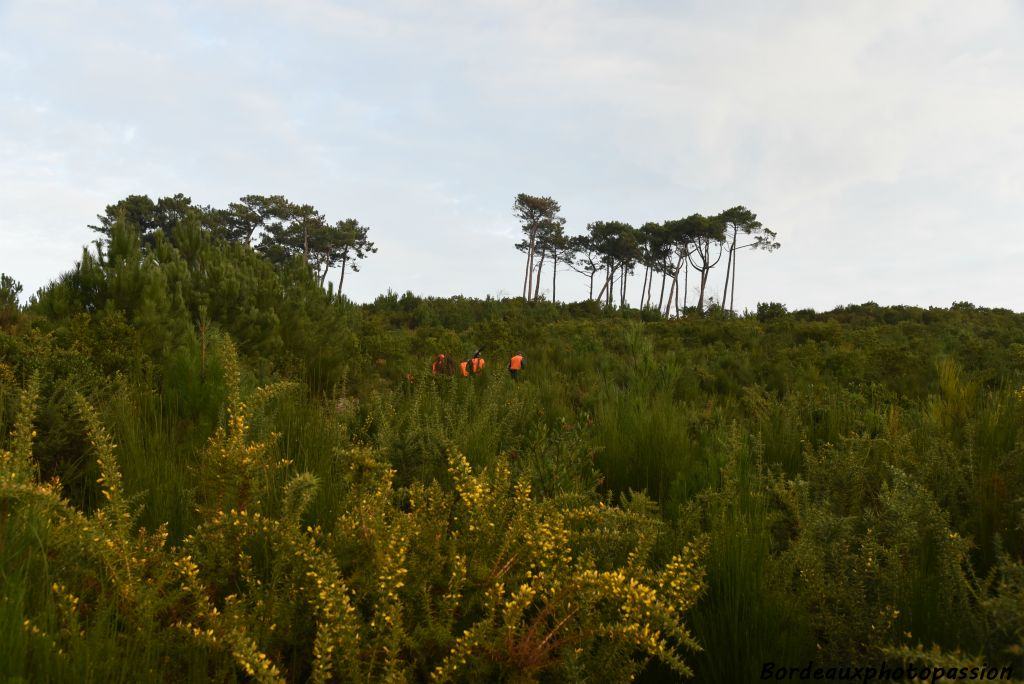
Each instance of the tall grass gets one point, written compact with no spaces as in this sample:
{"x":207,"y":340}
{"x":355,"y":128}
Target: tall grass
{"x":846,"y":517}
{"x":156,"y":454}
{"x":748,"y":617}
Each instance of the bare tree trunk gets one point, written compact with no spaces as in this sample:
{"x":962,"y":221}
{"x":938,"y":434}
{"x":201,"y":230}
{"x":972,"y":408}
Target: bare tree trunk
{"x":705,"y":269}
{"x":732,"y":292}
{"x":677,"y":303}
{"x":728,"y":266}
{"x":554,"y":274}
{"x":341,"y":281}
{"x":540,"y":268}
{"x":686,"y":283}
{"x":664,"y":276}
{"x":526,"y":278}
{"x":643,"y":286}
{"x":591,"y":295}
{"x":533,"y":267}
{"x":322,"y":274}
{"x":529,"y":267}
{"x":683,"y":265}
{"x":674,"y":299}
{"x":703,"y":284}
{"x":673,"y":280}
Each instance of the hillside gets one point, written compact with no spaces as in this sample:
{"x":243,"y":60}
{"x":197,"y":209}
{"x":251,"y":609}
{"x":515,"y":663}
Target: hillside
{"x":215,"y":470}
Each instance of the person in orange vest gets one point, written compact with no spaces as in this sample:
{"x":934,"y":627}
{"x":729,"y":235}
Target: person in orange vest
{"x":442,"y":364}
{"x":516,"y":364}
{"x":473,"y":365}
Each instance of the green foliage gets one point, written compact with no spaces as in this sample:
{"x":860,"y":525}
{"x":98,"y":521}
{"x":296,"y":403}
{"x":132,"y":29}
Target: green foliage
{"x":767,"y":311}
{"x":483,"y":580}
{"x":10,"y":290}
{"x":852,"y":480}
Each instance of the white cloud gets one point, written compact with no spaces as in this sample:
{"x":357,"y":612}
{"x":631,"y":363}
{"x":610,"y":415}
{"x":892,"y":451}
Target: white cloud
{"x":864,"y":133}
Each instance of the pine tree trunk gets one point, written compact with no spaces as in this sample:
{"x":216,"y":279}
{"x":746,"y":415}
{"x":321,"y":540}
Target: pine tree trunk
{"x":671,"y":291}
{"x":683,"y":310}
{"x":680,"y":265}
{"x":661,"y":298}
{"x":678,"y":310}
{"x":529,"y":267}
{"x":554,"y":274}
{"x":703,"y":284}
{"x":341,"y":281}
{"x":540,"y":268}
{"x":732,"y":291}
{"x":728,"y":266}
{"x":686,"y":283}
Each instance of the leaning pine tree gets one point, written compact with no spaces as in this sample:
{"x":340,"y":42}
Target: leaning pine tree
{"x":736,"y":221}
{"x":534,"y":213}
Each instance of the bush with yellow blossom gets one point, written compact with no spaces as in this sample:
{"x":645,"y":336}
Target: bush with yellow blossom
{"x":481,"y":581}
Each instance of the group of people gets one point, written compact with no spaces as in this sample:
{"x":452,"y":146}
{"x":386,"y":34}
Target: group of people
{"x":443,"y":365}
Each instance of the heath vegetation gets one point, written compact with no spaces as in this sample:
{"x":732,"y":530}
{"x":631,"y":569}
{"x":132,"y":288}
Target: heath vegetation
{"x":213,"y":468}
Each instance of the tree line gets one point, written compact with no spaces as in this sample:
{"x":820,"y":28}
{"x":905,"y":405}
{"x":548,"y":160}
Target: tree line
{"x":608,"y":253}
{"x":612,"y":251}
{"x":272,"y":225}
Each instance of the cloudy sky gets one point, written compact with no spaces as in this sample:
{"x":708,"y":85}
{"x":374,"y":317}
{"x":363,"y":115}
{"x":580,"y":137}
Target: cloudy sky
{"x":883,"y":141}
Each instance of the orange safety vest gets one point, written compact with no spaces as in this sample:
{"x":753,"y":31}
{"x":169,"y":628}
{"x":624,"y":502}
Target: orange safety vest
{"x":478,"y":364}
{"x":436,"y":366}
{"x":465,"y":373}
{"x":516,"y":363}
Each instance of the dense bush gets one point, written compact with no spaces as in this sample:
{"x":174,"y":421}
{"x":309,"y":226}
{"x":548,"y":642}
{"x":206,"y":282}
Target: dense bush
{"x":653,"y":497}
{"x":481,"y":581}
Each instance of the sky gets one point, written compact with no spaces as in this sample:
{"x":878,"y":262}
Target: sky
{"x":882,"y":141}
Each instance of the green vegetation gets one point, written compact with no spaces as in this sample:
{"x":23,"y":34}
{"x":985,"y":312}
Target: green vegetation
{"x":212,"y":469}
